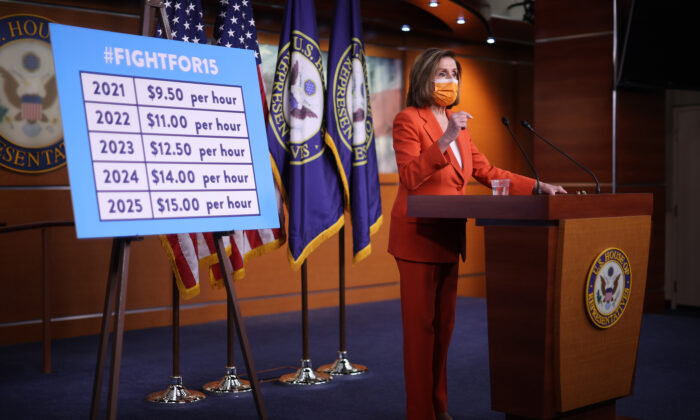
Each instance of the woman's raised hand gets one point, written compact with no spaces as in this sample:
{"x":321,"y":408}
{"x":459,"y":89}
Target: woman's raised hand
{"x":456,"y":123}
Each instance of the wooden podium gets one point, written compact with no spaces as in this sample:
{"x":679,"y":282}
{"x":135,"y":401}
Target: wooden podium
{"x":547,"y":359}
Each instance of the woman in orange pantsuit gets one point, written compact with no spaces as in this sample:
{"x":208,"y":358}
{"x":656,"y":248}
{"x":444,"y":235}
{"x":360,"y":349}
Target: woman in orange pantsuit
{"x":435,"y":156}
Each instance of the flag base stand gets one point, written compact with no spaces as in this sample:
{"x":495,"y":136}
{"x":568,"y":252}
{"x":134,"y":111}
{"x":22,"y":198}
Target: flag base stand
{"x":230,"y":383}
{"x":305,"y":376}
{"x":342,"y":366}
{"x":176,"y":393}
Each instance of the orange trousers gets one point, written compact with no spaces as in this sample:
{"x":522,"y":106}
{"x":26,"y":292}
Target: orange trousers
{"x":428,"y":301}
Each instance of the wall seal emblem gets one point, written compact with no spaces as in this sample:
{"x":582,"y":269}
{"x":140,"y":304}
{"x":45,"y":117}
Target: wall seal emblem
{"x":31,"y":133}
{"x":608,"y":288}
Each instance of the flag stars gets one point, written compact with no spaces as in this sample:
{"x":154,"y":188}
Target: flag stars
{"x":237,"y":29}
{"x":184,"y":23}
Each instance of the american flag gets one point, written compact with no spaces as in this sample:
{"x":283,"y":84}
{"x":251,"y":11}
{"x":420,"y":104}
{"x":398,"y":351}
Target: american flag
{"x":186,"y":21}
{"x":187,"y":250}
{"x":235,"y":26}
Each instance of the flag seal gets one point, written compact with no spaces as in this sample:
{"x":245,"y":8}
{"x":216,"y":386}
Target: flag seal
{"x":353,"y":112}
{"x":296,"y":104}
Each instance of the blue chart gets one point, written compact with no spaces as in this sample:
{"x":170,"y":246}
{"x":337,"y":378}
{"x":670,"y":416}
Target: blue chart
{"x":162,"y":136}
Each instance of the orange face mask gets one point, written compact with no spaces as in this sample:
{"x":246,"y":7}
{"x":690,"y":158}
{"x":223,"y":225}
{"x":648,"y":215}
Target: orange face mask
{"x":445,"y":92}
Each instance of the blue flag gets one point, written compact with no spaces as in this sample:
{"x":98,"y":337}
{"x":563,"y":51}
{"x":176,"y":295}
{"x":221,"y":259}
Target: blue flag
{"x":303,"y":161}
{"x":350,"y":126}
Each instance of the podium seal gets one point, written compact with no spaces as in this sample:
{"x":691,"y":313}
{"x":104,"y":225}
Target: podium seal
{"x":608,"y":288}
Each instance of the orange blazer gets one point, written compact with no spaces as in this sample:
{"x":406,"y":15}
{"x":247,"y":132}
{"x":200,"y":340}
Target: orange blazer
{"x":425,"y":170}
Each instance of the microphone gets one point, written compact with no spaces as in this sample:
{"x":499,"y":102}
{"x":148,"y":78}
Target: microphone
{"x":529,"y":127}
{"x":505,"y":122}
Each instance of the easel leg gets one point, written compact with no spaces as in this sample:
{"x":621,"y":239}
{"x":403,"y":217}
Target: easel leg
{"x":122,"y":276}
{"x":114,"y":266}
{"x":240,"y":327}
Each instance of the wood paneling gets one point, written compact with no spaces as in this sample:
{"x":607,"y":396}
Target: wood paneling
{"x":573,"y":108}
{"x":559,"y":18}
{"x":474,"y":286}
{"x":488,"y":105}
{"x":520,"y":361}
{"x":545,"y":356}
{"x":527,"y":208}
{"x":657,"y":264}
{"x":641,"y":146}
{"x":584,"y":351}
{"x":78,"y":274}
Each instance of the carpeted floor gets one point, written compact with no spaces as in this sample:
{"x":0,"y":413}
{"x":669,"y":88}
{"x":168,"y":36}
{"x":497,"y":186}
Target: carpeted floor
{"x":667,"y":382}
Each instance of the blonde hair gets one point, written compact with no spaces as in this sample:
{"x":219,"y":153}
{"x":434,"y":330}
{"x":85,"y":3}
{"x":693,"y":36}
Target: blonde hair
{"x":420,"y":85}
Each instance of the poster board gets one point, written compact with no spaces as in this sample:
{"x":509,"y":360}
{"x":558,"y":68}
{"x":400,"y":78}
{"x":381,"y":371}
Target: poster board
{"x":161,"y":136}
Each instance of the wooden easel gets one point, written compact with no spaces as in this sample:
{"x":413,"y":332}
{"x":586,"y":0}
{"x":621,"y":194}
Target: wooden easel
{"x":117,"y":284}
